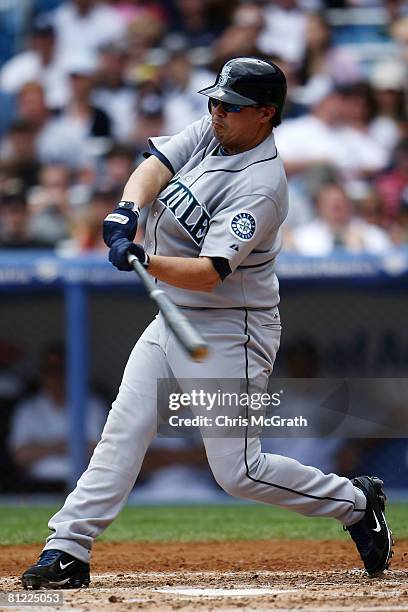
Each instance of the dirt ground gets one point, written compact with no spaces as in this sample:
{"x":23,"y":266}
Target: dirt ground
{"x":225,"y":576}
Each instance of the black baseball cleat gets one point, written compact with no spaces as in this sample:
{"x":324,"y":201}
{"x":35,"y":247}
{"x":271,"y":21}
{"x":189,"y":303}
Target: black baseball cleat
{"x":56,"y":568}
{"x":371,"y":535}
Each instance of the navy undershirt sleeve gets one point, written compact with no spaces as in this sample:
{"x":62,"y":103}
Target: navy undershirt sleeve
{"x":222,"y":266}
{"x":159,"y":155}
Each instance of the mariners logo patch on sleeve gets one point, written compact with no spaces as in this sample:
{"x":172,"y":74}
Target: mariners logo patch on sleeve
{"x":243,"y":225}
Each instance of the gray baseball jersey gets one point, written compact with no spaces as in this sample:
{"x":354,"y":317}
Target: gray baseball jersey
{"x":220,"y":206}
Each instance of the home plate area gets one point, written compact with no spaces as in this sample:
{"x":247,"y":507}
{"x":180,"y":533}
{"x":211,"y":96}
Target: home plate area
{"x":345,"y":590}
{"x":327,"y":591}
{"x":224,"y":576}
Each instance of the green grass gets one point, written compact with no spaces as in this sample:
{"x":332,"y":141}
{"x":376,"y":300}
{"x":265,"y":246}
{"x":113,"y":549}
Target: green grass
{"x":21,"y":525}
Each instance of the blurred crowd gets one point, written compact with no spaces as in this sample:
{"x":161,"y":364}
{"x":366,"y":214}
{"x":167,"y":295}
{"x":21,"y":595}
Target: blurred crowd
{"x":35,"y":433}
{"x":84,"y":83}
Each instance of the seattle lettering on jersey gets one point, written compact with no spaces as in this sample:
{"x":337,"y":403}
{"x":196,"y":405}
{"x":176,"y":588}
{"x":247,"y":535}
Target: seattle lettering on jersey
{"x":187,"y":210}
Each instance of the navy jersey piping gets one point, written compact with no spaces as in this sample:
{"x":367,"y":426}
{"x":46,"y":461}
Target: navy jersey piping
{"x":155,"y":230}
{"x":249,"y":308}
{"x":204,"y":152}
{"x":248,"y":475}
{"x":160,"y":156}
{"x":257,"y":265}
{"x":155,"y":235}
{"x":259,"y":161}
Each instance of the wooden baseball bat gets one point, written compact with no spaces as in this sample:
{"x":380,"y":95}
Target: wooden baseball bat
{"x":185,"y":333}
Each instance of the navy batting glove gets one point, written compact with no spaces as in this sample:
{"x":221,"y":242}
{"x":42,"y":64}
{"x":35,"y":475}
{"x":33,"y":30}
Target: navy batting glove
{"x":121,"y":223}
{"x":119,"y":252}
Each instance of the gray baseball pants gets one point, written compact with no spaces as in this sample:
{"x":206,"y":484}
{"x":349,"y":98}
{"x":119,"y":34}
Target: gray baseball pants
{"x":244,"y":343}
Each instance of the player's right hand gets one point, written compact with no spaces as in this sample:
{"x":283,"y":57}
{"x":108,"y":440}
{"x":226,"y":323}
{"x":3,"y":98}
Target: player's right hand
{"x":118,"y":254}
{"x":121,"y":223}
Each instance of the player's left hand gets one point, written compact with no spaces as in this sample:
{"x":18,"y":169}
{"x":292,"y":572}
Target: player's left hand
{"x":121,"y":223}
{"x":118,"y":254}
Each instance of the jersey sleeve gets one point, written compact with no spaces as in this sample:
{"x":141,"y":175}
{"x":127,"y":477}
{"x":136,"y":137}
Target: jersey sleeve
{"x":175,"y":151}
{"x":238,"y":228}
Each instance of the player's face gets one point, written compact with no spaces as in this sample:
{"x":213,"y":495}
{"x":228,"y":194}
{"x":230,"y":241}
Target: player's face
{"x":243,"y":130}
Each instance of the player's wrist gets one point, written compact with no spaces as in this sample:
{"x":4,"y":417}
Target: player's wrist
{"x":139,"y":252}
{"x":129,"y":205}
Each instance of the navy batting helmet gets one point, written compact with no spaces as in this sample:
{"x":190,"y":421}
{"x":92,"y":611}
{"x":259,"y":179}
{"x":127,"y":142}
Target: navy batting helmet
{"x":250,"y":81}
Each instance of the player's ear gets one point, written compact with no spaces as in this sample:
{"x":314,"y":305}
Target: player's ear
{"x":267,"y":113}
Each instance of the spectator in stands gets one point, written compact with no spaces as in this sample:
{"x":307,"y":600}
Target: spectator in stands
{"x":11,"y":390}
{"x":241,"y":36}
{"x":130,"y":10}
{"x":174,"y":469}
{"x":392,"y":184}
{"x":18,"y":152}
{"x":329,"y":136}
{"x":308,"y":140}
{"x":37,"y":63}
{"x":32,"y":106}
{"x":144,"y":33}
{"x":83,"y":181}
{"x":367,"y":204}
{"x":9,"y":182}
{"x":293,"y":108}
{"x":399,"y":229}
{"x":86,"y":230}
{"x":15,"y":230}
{"x":11,"y":382}
{"x":337,"y":226}
{"x":7,"y":114}
{"x":112,"y":93}
{"x":119,"y":164}
{"x":150,"y":113}
{"x":182,"y":81}
{"x":284,"y":31}
{"x":51,"y":145}
{"x":399,"y":32}
{"x":40,"y":427}
{"x":49,"y":204}
{"x":82,"y":133}
{"x":322,"y":64}
{"x":83,"y":26}
{"x":359,"y":111}
{"x":389,"y":79}
{"x":192,"y":19}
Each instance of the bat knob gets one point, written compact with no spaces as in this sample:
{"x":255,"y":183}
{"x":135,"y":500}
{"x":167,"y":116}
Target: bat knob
{"x":200,"y":353}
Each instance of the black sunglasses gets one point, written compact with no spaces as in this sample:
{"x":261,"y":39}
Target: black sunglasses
{"x":228,"y":107}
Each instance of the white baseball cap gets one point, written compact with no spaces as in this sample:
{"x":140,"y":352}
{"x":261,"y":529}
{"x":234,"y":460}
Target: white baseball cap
{"x":389,"y":74}
{"x":83,"y":64}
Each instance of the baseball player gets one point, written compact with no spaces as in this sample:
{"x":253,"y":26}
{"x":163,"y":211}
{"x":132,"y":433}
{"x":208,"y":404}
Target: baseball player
{"x":217,"y":197}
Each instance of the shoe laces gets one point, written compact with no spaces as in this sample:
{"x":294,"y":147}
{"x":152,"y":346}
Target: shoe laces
{"x":48,"y":557}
